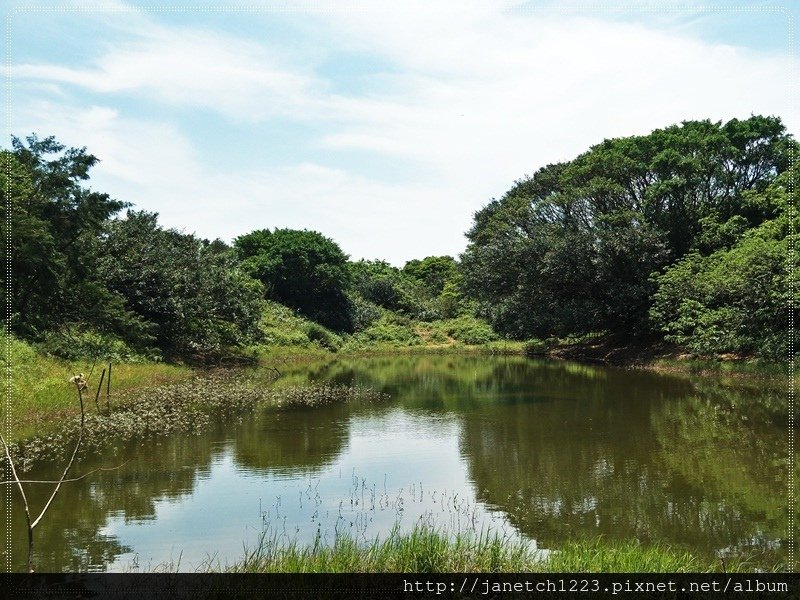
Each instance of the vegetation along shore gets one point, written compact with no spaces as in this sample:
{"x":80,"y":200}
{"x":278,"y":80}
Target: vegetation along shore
{"x":668,"y":251}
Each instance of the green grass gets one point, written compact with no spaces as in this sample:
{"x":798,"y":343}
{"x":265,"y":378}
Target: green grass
{"x":287,"y":333}
{"x":391,"y":330}
{"x":429,"y":550}
{"x":601,"y":556}
{"x":466,"y":329}
{"x":41,"y":394}
{"x":423,"y":550}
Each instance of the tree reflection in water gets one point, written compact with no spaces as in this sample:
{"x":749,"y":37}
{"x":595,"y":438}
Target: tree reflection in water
{"x":560,"y":450}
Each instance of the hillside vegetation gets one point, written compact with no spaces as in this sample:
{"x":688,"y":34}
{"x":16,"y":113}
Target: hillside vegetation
{"x":680,"y":236}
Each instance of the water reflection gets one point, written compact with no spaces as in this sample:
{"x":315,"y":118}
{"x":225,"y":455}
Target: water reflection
{"x":551,"y":450}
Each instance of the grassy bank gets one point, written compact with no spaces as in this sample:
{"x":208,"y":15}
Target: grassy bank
{"x":288,"y":334}
{"x":41,"y":395}
{"x":41,"y":398}
{"x":186,"y":407}
{"x":428,"y":550}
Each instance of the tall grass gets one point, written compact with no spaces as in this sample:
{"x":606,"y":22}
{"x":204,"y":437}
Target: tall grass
{"x":426,"y":549}
{"x":423,"y":550}
{"x":41,"y":396}
{"x":602,"y":556}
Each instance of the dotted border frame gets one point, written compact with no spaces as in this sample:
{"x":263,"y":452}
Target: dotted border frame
{"x":267,"y":8}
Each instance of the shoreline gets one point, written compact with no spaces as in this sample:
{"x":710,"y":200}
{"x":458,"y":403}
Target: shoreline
{"x":54,"y":399}
{"x":186,"y":407}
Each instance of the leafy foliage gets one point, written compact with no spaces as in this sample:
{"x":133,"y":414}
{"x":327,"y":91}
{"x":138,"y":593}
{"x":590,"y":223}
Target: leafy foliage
{"x":735,"y":299}
{"x":74,"y":343}
{"x":302,"y":269}
{"x":197,"y":300}
{"x":427,"y":289}
{"x":684,"y":233}
{"x":390,"y":330}
{"x":324,"y":337}
{"x":55,"y":227}
{"x":467,"y":330}
{"x":363,"y":312}
{"x":382,"y":284}
{"x":432,"y":272}
{"x":571,"y":249}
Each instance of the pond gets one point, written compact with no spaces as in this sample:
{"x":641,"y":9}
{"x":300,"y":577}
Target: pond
{"x":546,"y":451}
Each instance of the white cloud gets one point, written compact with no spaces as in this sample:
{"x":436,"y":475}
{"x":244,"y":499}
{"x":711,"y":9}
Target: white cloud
{"x":153,"y":165}
{"x":475,"y":97}
{"x":190,"y":68}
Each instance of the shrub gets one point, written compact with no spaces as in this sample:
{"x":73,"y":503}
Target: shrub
{"x":73,"y":343}
{"x":364,"y":313}
{"x":324,"y":337}
{"x":390,"y":329}
{"x":302,"y":269}
{"x":470,"y":330}
{"x":282,"y":327}
{"x":734,"y":300}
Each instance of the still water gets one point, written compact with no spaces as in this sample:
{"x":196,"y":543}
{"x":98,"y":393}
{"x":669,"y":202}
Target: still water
{"x":543,"y":450}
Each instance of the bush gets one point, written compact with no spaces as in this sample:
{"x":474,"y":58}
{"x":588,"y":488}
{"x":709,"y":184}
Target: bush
{"x":390,"y":329}
{"x":384,"y":285}
{"x":469,"y":330}
{"x":325,"y":338}
{"x":363,"y":312}
{"x":731,"y":301}
{"x":280,"y":326}
{"x":302,"y":269}
{"x":74,"y":342}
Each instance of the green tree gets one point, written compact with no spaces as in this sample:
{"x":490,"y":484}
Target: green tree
{"x":302,"y":269}
{"x":56,"y":224}
{"x":380,"y":283}
{"x":571,"y":249}
{"x":432,"y":272}
{"x":198,"y":301}
{"x":736,"y":299}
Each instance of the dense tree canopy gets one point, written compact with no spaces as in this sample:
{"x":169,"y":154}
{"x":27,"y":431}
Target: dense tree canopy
{"x":302,"y":269}
{"x":683,"y":233}
{"x":571,"y":249}
{"x":737,"y":298}
{"x":78,"y":274}
{"x":190,"y":290}
{"x":55,"y":227}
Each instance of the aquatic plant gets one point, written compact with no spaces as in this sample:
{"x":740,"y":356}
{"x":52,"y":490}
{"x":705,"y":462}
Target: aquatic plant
{"x":187,"y":407}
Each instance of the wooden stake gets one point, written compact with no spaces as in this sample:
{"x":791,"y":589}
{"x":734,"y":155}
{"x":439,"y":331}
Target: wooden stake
{"x":99,"y":387}
{"x":108,"y":389}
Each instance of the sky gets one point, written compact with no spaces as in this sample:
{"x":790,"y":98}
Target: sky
{"x":383,"y":125}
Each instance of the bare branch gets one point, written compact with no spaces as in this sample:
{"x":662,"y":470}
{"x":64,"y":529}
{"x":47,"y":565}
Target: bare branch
{"x":99,"y":387}
{"x":24,"y":502}
{"x":84,"y":476}
{"x":69,"y":464}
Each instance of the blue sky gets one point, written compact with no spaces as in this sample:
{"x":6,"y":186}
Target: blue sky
{"x":382,"y":125}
